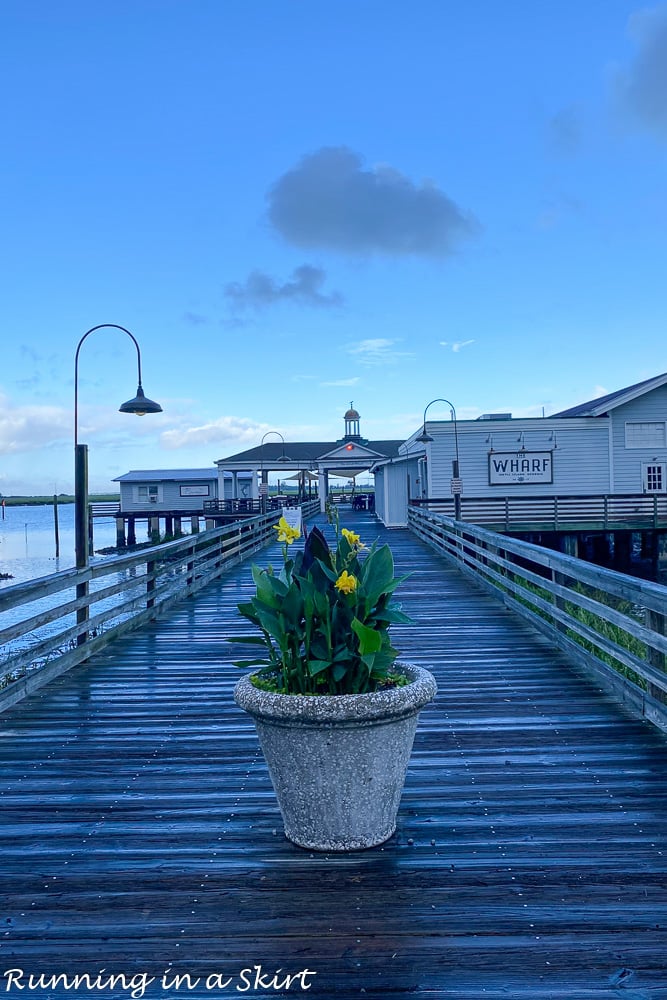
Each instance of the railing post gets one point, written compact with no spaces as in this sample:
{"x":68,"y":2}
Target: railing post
{"x":89,"y":520}
{"x":657,"y":623}
{"x":560,"y":580}
{"x":150,"y":584}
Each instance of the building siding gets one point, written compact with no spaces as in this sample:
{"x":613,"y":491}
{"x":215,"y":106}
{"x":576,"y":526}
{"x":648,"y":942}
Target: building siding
{"x":169,"y":497}
{"x":579,"y":455}
{"x":629,"y":462}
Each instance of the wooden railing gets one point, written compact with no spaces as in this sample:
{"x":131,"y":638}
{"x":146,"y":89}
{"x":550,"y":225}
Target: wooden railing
{"x":249,"y":506}
{"x":41,"y":634}
{"x":609,"y":624}
{"x":102,"y":508}
{"x":557,"y":513}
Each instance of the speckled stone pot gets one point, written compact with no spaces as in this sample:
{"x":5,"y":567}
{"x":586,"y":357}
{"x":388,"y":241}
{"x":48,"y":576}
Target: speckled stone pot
{"x":338,"y":762}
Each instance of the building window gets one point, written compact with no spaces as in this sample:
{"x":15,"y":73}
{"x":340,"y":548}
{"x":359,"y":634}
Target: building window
{"x":655,"y":478}
{"x":645,"y":434}
{"x":148,"y":494}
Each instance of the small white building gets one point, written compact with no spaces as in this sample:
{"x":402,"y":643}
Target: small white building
{"x":175,"y":490}
{"x":613,"y":445}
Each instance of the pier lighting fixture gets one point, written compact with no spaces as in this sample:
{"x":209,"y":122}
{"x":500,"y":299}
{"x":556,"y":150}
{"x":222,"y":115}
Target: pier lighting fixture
{"x":139,"y":405}
{"x":425,"y":438}
{"x":282,"y":458}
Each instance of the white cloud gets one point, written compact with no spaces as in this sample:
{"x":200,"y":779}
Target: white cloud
{"x":456,"y":345}
{"x":237,"y":429}
{"x":377,"y":351}
{"x":342,"y":382}
{"x":28,"y":428}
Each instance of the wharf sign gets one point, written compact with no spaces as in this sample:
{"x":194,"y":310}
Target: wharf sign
{"x":520,"y":467}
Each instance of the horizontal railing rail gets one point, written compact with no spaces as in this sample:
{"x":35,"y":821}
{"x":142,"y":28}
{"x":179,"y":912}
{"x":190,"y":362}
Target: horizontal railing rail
{"x":609,"y":624}
{"x":249,"y":506}
{"x":41,"y":630}
{"x":557,"y":513}
{"x":104,"y":508}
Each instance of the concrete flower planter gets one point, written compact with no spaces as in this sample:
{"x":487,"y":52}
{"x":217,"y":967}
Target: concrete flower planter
{"x":338,"y":763}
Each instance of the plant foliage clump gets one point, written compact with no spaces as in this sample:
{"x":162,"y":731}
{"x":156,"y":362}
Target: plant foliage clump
{"x":324,"y":618}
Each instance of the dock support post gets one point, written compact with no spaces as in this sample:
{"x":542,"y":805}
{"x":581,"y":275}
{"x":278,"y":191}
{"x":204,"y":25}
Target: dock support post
{"x":131,"y":531}
{"x":120,"y":532}
{"x":661,"y":557}
{"x":569,"y":545}
{"x":622,"y":550}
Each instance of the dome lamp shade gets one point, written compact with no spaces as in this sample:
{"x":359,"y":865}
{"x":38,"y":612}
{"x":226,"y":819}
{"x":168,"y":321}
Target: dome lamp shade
{"x":140,"y":405}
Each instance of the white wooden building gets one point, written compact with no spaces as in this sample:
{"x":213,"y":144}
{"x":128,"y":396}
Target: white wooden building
{"x":175,"y":490}
{"x":613,"y":445}
{"x":348,"y":457}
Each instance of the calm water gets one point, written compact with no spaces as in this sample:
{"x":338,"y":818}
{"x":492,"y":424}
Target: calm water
{"x":27,"y":541}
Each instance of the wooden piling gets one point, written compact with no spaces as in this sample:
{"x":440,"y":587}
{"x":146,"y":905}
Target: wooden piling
{"x":55,"y":524}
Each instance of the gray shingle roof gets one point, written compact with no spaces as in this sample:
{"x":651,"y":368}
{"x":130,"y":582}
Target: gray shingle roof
{"x":305,"y":451}
{"x":596,"y":407}
{"x":168,"y":475}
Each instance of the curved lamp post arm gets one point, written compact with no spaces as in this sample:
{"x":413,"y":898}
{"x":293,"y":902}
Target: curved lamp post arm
{"x":283,"y":458}
{"x":139,"y":405}
{"x":425,"y":437}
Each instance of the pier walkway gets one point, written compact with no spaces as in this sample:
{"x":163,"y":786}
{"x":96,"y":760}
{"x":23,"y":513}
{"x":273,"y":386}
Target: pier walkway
{"x":139,"y":832}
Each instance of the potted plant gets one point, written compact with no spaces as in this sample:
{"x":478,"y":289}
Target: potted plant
{"x":335,"y":712}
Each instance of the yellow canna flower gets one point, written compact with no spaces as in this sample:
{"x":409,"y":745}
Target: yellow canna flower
{"x":353,"y":538}
{"x":286,"y":533}
{"x":346,"y":583}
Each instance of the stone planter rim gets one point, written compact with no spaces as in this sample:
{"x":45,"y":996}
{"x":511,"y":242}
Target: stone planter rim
{"x":393,"y":703}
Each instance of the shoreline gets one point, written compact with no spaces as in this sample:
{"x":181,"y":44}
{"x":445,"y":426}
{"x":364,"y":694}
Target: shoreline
{"x":61,"y":499}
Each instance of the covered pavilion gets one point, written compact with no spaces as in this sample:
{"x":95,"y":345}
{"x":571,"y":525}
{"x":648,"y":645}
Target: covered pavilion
{"x":349,"y":456}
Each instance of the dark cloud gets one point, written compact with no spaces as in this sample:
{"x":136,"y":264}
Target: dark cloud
{"x":564,"y":132}
{"x":644,"y":84}
{"x":260,"y":290}
{"x":329,"y":201}
{"x":195,"y":319}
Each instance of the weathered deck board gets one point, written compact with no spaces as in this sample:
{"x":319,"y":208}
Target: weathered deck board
{"x":139,"y":831}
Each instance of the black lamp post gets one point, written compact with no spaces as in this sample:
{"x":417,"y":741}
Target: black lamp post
{"x":425,"y":438}
{"x":283,"y":458}
{"x":140,"y":405}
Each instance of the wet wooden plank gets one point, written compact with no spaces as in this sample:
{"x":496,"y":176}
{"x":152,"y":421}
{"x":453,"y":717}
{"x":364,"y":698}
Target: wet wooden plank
{"x":139,"y":830}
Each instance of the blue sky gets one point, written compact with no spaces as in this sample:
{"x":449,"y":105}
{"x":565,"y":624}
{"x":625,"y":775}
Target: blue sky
{"x":294,"y":204}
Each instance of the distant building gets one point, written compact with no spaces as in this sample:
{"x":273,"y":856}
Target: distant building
{"x":616,"y":444}
{"x":175,"y":490}
{"x":349,"y":456}
{"x":613,"y":445}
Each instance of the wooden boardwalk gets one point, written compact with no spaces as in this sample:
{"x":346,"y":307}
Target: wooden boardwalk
{"x":140,"y":833}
